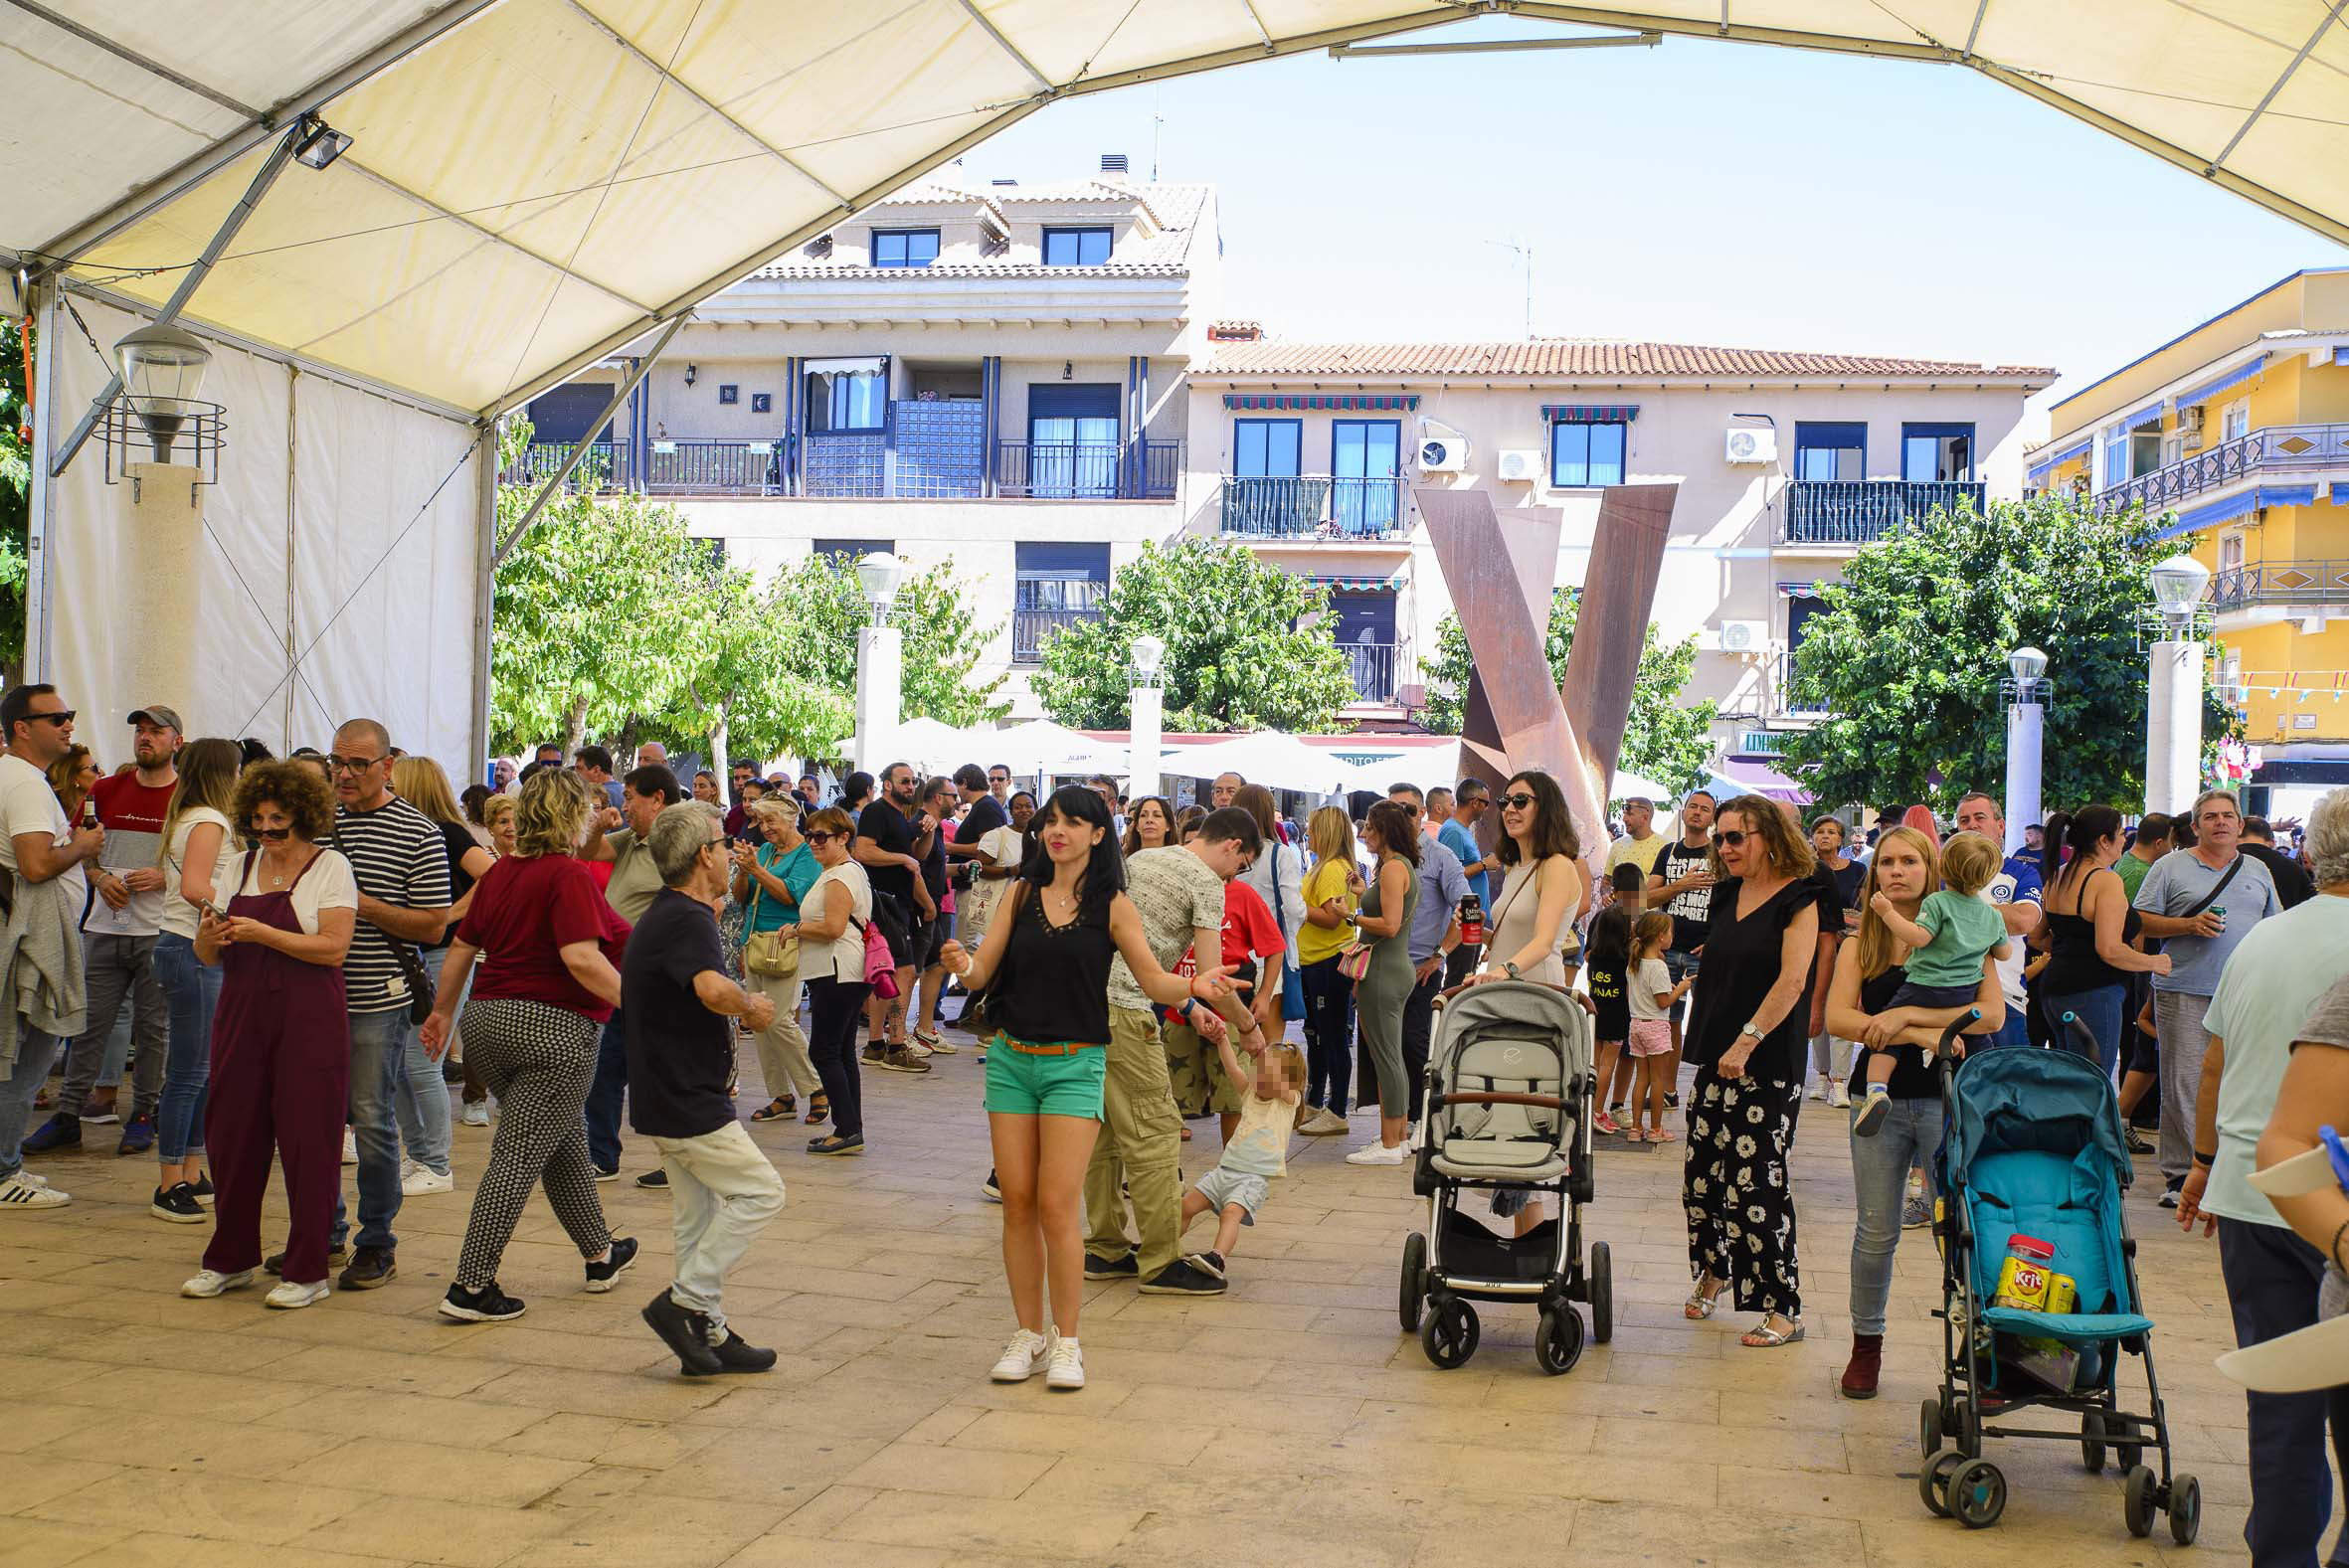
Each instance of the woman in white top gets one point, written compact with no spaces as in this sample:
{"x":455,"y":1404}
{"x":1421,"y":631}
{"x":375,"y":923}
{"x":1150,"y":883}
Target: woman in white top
{"x":832,"y":920}
{"x":1542,"y":892}
{"x":199,"y":863}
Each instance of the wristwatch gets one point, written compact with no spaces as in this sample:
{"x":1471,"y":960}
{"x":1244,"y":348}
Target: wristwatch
{"x":1510,"y":968}
{"x":1749,"y":1029}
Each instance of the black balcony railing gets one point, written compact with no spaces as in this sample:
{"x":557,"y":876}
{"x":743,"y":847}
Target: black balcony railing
{"x":714,"y":467}
{"x":2276,"y":449}
{"x":606,"y":466}
{"x":1861,"y":511}
{"x":1088,"y":470}
{"x":1375,"y":668}
{"x":1031,"y":630}
{"x":2315,"y":583}
{"x":1314,"y":506}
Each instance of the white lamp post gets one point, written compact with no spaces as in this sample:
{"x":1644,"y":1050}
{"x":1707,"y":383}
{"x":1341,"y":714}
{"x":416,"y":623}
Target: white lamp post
{"x":1147,"y":728}
{"x":2026,"y":727}
{"x":2173,"y":698}
{"x":880,"y":663}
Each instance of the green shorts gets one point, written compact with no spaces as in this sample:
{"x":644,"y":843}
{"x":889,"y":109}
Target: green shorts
{"x":1195,"y":1069}
{"x":1021,"y":1084}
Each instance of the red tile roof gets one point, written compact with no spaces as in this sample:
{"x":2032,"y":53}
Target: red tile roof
{"x":1586,"y":357}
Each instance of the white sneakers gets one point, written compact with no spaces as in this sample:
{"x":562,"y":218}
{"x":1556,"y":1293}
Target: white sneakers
{"x":1818,"y":1089}
{"x":417,"y":1180}
{"x":474,"y":1114}
{"x":1378,"y":1154}
{"x":288,"y":1296}
{"x":210,"y":1281}
{"x":1839,"y":1097}
{"x":24,"y":1190}
{"x":1062,"y":1362}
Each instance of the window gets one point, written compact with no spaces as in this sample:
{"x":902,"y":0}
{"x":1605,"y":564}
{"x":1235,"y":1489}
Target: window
{"x":1586,"y":455}
{"x":761,"y":403}
{"x":1364,"y":495}
{"x":2144,"y":451}
{"x":2116,"y":455}
{"x":729,"y":393}
{"x":1935,"y":453}
{"x":1829,"y":451}
{"x":1058,"y":585}
{"x":2236,"y":421}
{"x":1267,"y":449}
{"x":904,"y":246}
{"x":1072,"y":440}
{"x":852,"y":397}
{"x":1076,"y":247}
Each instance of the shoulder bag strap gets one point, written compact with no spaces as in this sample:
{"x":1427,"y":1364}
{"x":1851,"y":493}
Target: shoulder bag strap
{"x":2210,"y":898}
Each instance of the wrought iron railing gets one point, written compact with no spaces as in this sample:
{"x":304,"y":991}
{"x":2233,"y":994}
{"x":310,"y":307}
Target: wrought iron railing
{"x":1088,"y":470}
{"x":606,"y":465}
{"x":1861,"y":511}
{"x":1314,"y":506}
{"x":1031,"y":630}
{"x":2274,"y":448}
{"x":1782,"y":695}
{"x":698,"y":467}
{"x":2312,"y":582}
{"x":1376,"y":667}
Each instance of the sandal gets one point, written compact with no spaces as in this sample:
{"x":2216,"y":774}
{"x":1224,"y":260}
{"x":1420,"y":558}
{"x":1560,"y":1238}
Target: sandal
{"x":1761,"y":1336}
{"x":819,"y":1110}
{"x":1700,"y":1305}
{"x":1663,"y":1134}
{"x":775,"y":1110}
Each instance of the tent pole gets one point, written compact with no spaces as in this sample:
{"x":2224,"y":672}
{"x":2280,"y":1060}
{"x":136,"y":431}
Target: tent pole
{"x":35,"y":658}
{"x":484,"y":593}
{"x":602,"y":422}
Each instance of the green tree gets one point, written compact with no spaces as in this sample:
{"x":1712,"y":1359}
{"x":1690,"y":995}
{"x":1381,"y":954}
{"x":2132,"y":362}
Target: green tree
{"x":821,"y":605}
{"x":1666,"y":738}
{"x":1908,"y":656}
{"x":16,"y":492}
{"x":1237,"y":658}
{"x":740,"y":696}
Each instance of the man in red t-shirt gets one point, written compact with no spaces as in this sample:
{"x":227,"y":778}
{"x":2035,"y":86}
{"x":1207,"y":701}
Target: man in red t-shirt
{"x":1196,"y":1068}
{"x":118,"y":943}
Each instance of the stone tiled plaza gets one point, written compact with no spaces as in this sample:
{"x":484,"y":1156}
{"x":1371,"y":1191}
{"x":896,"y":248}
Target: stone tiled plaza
{"x":1289,"y":1421}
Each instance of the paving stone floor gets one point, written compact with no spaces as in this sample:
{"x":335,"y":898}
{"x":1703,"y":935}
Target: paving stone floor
{"x":1288,"y":1422}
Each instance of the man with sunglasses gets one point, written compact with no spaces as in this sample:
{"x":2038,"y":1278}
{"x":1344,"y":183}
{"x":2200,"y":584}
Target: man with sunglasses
{"x":46,"y":856}
{"x":1682,"y":886}
{"x":400,"y":865}
{"x":893,"y":838}
{"x":999,"y":785}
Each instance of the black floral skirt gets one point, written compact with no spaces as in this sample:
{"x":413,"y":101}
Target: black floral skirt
{"x":1734,"y":1186}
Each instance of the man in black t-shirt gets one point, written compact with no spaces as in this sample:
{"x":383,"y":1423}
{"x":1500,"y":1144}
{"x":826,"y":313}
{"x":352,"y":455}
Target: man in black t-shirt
{"x":676,"y":999}
{"x":893,"y":837}
{"x":2293,"y":885}
{"x":1682,"y":886}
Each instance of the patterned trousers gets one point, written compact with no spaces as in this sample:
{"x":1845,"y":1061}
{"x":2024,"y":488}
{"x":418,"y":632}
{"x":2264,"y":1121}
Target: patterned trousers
{"x":1734,"y":1186}
{"x":538,"y":1060}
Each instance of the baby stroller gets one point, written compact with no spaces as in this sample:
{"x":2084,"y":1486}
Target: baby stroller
{"x":1509,"y":1099}
{"x":2033,"y":1146}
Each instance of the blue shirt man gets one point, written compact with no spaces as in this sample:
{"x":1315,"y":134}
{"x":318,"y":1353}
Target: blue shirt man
{"x":1458,"y":834}
{"x":2018,"y":895}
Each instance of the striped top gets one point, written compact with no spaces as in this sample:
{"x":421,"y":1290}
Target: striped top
{"x":397,"y":854}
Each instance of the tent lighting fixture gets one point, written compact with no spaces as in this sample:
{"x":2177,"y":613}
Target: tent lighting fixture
{"x":320,"y":143}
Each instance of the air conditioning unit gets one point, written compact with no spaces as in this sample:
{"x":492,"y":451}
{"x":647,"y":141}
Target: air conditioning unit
{"x":1744,"y":637}
{"x":1752,"y":444}
{"x":1443,"y":453}
{"x":2190,"y":421}
{"x":1521,"y":467}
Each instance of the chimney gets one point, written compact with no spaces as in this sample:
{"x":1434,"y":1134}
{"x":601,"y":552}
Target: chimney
{"x":1113,"y":163}
{"x":1235,"y":332}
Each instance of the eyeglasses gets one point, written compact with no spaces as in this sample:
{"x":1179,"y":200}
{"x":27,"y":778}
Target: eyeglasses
{"x":350,"y":765}
{"x":1467,"y":800}
{"x":62,"y":716}
{"x":1731,"y":839}
{"x":1517,"y":801}
{"x":817,"y":836}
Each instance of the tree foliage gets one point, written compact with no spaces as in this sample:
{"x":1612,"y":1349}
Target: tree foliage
{"x":1666,"y":738}
{"x":16,"y":491}
{"x":943,"y":638}
{"x":1237,"y":658}
{"x":1908,"y":656}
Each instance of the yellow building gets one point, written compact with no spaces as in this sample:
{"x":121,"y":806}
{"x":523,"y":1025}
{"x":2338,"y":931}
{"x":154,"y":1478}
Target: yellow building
{"x":2237,"y":433}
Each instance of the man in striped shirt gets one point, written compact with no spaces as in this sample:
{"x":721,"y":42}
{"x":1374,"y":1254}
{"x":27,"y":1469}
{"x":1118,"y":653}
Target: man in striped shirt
{"x":402,"y":866}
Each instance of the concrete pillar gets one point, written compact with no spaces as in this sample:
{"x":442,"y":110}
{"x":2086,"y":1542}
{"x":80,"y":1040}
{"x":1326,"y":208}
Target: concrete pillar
{"x":2026,"y":725}
{"x":155,"y":650}
{"x":1145,"y":738}
{"x":881,"y":673}
{"x":2173,"y":727}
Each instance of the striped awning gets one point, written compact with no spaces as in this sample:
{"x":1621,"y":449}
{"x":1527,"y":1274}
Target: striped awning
{"x":1802,"y":589}
{"x":2241,"y":506}
{"x":1403,"y":401}
{"x":2148,"y":414}
{"x":1590,"y":413}
{"x":1357,"y":584}
{"x":2234,"y":378}
{"x":2042,"y":468}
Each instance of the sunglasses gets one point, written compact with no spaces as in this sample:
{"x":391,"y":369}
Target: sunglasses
{"x":1731,"y":839}
{"x":817,"y":837}
{"x":62,"y":716}
{"x":350,"y":765}
{"x":1519,"y":802}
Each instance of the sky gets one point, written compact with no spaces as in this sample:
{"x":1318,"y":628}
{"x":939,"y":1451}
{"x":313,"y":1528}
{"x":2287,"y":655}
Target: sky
{"x":1697,"y":192}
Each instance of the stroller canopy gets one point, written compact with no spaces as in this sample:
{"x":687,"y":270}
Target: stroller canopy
{"x":2049,"y":1101}
{"x":1517,"y":1006}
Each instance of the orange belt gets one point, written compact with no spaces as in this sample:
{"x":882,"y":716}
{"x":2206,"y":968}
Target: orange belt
{"x":1069,"y":1048}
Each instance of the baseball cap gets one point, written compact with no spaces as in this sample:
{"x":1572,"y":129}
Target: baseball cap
{"x":156,"y":713}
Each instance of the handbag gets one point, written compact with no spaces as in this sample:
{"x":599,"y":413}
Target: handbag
{"x":880,"y":968}
{"x":1355,"y":961}
{"x":420,"y":982}
{"x":1291,"y":977}
{"x":772,"y":954}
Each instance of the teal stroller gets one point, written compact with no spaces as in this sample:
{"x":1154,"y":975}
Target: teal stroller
{"x":2033,"y":1148}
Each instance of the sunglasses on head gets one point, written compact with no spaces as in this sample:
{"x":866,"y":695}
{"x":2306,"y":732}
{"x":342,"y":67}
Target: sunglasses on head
{"x":1519,"y":800}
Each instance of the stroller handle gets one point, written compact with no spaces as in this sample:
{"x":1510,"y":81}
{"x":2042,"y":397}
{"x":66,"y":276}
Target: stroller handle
{"x":2082,"y":1040}
{"x":1437,"y":1102}
{"x":1946,"y":1049}
{"x":1448,"y":994}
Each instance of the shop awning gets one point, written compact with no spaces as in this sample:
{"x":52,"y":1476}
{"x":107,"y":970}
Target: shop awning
{"x":2046,"y":466}
{"x":2242,"y":504}
{"x":1731,"y":777}
{"x":1358,"y":585}
{"x":2234,"y":378}
{"x":1590,"y":413}
{"x":1338,"y":401}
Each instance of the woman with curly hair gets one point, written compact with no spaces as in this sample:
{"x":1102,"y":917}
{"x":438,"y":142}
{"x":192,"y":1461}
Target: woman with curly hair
{"x":281,"y":1034}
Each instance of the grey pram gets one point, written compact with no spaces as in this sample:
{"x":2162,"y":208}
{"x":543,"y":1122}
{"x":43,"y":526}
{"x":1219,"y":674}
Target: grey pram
{"x":1509,"y":1099}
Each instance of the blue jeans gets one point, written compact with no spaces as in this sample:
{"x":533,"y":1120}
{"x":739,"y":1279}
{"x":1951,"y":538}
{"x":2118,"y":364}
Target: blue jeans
{"x":423,"y":1100}
{"x":608,"y":1095}
{"x":35,"y":1053}
{"x":379,"y":1044}
{"x":191,"y":993}
{"x":1909,"y":1133}
{"x":2016,"y":1031}
{"x":2101,"y":1009}
{"x":2272,"y":1279}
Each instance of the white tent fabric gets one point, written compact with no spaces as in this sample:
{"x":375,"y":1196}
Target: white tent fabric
{"x":1040,"y":745}
{"x":535,"y":183}
{"x":1271,"y":758}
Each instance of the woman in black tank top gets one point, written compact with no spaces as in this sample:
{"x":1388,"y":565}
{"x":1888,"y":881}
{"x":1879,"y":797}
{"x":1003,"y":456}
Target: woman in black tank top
{"x":1045,"y":974}
{"x":2091,"y":927}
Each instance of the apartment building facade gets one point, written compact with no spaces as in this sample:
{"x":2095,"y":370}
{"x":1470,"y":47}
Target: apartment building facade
{"x":2235,"y":435}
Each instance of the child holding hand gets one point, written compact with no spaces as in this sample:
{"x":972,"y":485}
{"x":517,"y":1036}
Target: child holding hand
{"x":1256,"y":1150}
{"x":1955,"y":930}
{"x":1651,"y":997}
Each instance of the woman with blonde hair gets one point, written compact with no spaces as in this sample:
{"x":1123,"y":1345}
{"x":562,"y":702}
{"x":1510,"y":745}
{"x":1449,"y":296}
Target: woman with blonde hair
{"x":769,"y":882}
{"x":71,"y":776}
{"x":199,"y":854}
{"x":420,"y":1099}
{"x":1331,"y":895}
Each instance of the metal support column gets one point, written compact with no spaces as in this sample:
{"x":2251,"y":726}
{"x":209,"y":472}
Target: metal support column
{"x":587,"y":439}
{"x":486,"y":455}
{"x":39,"y":550}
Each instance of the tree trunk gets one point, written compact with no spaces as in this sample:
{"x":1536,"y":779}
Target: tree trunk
{"x":574,"y":727}
{"x":718,"y":750}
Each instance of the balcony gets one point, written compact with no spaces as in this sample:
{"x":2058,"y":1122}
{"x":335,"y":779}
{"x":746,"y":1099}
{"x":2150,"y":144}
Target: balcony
{"x":2276,"y":449}
{"x":930,"y":451}
{"x":1144,"y":470}
{"x":1031,"y":630}
{"x":1863,"y":511}
{"x":1314,"y":506}
{"x":2282,"y":584}
{"x":1377,"y":669}
{"x":1779,"y":698}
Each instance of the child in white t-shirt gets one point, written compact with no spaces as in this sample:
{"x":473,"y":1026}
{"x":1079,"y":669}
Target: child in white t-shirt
{"x":1651,"y":994}
{"x":1257,"y":1150}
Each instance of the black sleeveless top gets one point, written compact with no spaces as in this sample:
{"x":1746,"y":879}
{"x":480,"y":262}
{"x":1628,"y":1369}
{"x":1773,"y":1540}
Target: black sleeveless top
{"x":2074,"y":966}
{"x":1054,"y":980}
{"x":1912,"y":1078}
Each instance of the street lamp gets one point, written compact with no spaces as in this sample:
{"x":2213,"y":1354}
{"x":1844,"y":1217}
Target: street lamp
{"x":880,"y":663}
{"x":162,"y":371}
{"x":2026,"y":729}
{"x":2173,"y":693}
{"x":1146,"y":728}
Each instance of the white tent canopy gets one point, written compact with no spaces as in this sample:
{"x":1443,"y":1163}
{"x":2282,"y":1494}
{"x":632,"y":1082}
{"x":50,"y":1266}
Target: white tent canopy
{"x":1043,"y":747}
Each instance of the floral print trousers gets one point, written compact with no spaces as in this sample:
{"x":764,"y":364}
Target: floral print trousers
{"x":1739,"y":1201}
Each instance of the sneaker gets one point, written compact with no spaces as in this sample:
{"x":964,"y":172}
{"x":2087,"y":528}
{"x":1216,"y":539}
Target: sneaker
{"x":290,"y":1297}
{"x":100,"y":1109}
{"x":736,"y":1354}
{"x":371,"y":1267}
{"x":58,"y":1131}
{"x":2136,"y":1140}
{"x":1377,"y":1154}
{"x":2169,"y":1199}
{"x":202,"y":1190}
{"x":1210,"y":1261}
{"x":177,"y":1203}
{"x":350,"y":1146}
{"x":836,"y":1143}
{"x":989,"y":1190}
{"x":872,"y":1053}
{"x":602,"y":1174}
{"x":208,"y":1283}
{"x":21,"y":1191}
{"x":686,"y":1333}
{"x":488,"y":1304}
{"x":422,"y":1180}
{"x":1916,"y":1214}
{"x":1182,"y":1277}
{"x":1872,"y":1114}
{"x":1067,"y":1371}
{"x":655,"y":1180}
{"x":1818,"y":1089}
{"x":602,"y":1277}
{"x":1606,"y":1124}
{"x":1022,"y":1359}
{"x":1839,"y":1097}
{"x":274,"y":1263}
{"x":1100,"y":1268}
{"x":138,"y":1135}
{"x":901,"y":1059}
{"x":1324,"y":1123}
{"x":474,"y":1114}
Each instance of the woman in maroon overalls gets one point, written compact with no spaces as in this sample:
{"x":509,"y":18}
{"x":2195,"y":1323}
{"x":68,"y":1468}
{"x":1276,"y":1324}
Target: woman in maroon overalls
{"x":281,"y":1038}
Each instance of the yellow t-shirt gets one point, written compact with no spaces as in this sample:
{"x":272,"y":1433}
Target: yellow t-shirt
{"x":1327,"y":882}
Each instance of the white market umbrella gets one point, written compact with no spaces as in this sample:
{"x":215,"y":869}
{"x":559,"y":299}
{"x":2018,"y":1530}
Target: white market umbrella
{"x":1628,"y":785}
{"x":1043,"y":747}
{"x":1424,"y":766}
{"x":930,"y":745}
{"x":1271,"y":758}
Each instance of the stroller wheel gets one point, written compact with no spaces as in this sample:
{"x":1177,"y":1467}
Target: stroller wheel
{"x":1932,"y":1482}
{"x":1414,"y":1283}
{"x":1559,"y":1342}
{"x":1929,"y":1429}
{"x":2185,"y":1510}
{"x":2092,"y":1442}
{"x":1450,"y":1334}
{"x":2121,"y":1431}
{"x":1601,"y":1294}
{"x":2137,"y":1501}
{"x":1977,"y":1494}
